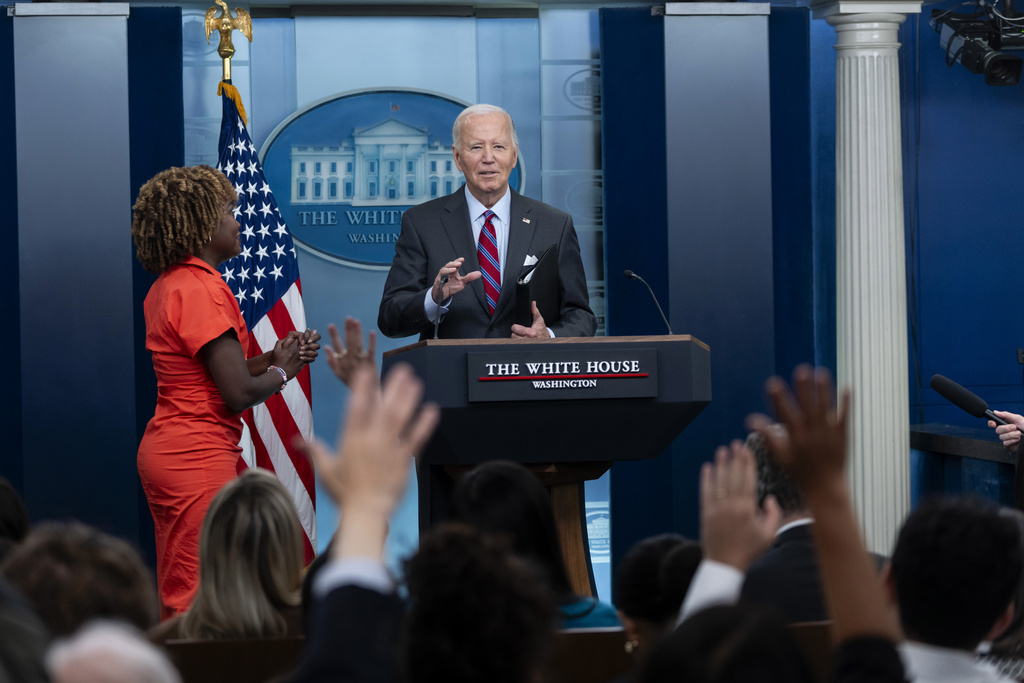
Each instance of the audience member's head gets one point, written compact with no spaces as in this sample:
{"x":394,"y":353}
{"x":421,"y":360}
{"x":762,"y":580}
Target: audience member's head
{"x":732,"y":644}
{"x":13,"y":518}
{"x":108,"y":652}
{"x":250,"y":561}
{"x":1011,"y":642}
{"x":955,"y":569}
{"x":72,"y":573}
{"x":771,"y":480}
{"x":479,"y":612}
{"x":505,"y":499}
{"x":650,"y":584}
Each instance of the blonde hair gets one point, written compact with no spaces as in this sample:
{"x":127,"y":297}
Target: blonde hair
{"x":250,"y":561}
{"x":176,"y":214}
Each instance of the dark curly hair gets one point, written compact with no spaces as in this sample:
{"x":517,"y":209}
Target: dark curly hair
{"x":72,"y":573}
{"x":771,"y":480}
{"x":479,"y":612}
{"x":176,"y":214}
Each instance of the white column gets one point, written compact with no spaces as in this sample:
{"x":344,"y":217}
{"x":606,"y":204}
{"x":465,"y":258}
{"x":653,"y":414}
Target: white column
{"x":871,"y":310}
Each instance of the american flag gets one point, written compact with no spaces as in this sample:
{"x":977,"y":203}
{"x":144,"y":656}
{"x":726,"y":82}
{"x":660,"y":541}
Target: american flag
{"x":265,"y":280}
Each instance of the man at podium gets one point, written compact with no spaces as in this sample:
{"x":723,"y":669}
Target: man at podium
{"x":482,"y":238}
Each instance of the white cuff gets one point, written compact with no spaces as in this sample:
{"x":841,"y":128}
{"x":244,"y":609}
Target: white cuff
{"x":356,"y":571}
{"x":714,"y":583}
{"x":432,"y":309}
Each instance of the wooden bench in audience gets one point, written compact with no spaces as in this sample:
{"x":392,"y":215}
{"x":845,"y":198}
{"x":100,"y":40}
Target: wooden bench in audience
{"x":586,"y":655}
{"x":589,"y":655}
{"x":255,"y":660}
{"x":814,"y":638}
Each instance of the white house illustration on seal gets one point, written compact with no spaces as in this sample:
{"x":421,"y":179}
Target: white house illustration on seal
{"x":388,"y":164}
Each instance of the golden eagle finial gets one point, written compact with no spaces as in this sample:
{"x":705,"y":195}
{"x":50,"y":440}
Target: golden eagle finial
{"x":225,"y":24}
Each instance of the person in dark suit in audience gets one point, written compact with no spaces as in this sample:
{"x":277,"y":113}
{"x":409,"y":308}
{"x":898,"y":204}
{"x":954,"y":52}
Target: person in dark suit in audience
{"x":786,"y":576}
{"x":740,"y":642}
{"x":357,"y":618}
{"x":480,"y":238}
{"x":478,"y":612}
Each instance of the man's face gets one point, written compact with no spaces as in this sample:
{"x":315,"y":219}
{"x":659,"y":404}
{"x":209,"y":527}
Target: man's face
{"x":486,"y":156}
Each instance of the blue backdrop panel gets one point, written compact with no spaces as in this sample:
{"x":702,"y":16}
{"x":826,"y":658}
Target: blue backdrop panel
{"x":11,"y":465}
{"x":792,"y":195}
{"x":78,"y":400}
{"x":633,"y":98}
{"x":967,"y":269}
{"x":823,"y":190}
{"x":156,"y":135}
{"x":719,"y":217}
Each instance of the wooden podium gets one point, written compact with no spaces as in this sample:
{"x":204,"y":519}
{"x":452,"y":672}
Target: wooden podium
{"x":567,"y":408}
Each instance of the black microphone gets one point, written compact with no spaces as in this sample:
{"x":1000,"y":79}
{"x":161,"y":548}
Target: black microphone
{"x":633,"y":276}
{"x":437,"y":321}
{"x":964,"y":399}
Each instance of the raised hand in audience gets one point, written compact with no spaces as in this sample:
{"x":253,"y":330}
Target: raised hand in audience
{"x":1009,"y":434}
{"x":734,"y":530}
{"x":383,"y":430}
{"x":345,"y":358}
{"x":814,"y":453}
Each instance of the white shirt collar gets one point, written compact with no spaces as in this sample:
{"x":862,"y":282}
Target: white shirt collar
{"x":502,"y":208}
{"x":933,"y":664}
{"x":792,"y":525}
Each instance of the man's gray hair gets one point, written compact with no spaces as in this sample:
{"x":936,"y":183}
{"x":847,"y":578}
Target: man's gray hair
{"x":108,"y":652}
{"x":480,"y":110}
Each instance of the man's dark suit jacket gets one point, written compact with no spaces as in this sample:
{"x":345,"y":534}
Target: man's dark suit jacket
{"x":786,"y":577}
{"x":440,"y":231}
{"x":354,"y":638}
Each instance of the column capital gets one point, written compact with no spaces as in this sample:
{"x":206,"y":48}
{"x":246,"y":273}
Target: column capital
{"x":822,"y":9}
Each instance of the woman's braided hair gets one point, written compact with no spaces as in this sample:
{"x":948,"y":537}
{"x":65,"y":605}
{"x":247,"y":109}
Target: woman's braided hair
{"x":176,"y":214}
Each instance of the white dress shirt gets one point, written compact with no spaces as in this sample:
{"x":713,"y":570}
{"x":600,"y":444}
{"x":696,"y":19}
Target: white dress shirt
{"x":502,"y":214}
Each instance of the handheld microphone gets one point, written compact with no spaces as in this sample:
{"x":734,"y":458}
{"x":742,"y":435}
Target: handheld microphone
{"x":437,"y":321}
{"x":964,"y":399}
{"x":633,"y":276}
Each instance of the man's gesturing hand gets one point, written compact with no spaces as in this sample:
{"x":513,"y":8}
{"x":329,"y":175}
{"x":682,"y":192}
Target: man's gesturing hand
{"x":455,"y":284}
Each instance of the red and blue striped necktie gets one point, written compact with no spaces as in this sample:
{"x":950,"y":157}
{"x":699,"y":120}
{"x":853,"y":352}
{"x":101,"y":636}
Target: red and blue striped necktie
{"x":487,"y":252}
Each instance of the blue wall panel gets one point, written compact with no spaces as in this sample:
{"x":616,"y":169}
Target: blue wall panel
{"x":792,"y":198}
{"x":78,"y":398}
{"x":11,"y":465}
{"x":967,"y":153}
{"x":633,"y":96}
{"x":157,"y":141}
{"x":720,"y":224}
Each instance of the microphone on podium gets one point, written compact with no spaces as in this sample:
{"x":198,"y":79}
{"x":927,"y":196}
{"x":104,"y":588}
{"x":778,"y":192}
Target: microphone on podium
{"x":633,"y":276}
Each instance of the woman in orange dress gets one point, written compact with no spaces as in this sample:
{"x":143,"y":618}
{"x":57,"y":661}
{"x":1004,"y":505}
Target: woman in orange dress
{"x":184,"y":227}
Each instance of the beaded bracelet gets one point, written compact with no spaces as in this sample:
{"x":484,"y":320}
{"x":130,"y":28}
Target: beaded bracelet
{"x":284,"y":375}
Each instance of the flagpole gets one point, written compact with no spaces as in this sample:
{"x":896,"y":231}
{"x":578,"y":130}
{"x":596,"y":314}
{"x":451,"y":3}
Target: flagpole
{"x":225,"y":24}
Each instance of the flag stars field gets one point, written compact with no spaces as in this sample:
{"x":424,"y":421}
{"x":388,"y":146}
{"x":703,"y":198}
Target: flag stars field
{"x":271,"y":304}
